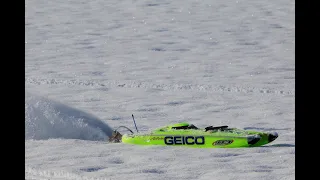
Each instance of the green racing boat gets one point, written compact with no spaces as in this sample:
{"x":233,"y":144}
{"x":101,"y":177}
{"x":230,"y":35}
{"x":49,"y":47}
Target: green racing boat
{"x":186,"y":134}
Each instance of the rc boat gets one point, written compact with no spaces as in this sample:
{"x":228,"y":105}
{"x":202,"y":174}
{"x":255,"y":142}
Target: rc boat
{"x":188,"y":135}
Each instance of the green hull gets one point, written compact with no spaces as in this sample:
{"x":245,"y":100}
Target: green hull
{"x":228,"y":138}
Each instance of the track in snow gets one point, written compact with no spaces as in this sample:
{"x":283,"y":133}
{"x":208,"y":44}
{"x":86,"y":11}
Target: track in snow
{"x":146,"y":85}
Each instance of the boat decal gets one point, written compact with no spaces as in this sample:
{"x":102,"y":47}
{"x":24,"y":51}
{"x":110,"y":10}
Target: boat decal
{"x":184,"y":140}
{"x":157,"y":138}
{"x":222,"y":142}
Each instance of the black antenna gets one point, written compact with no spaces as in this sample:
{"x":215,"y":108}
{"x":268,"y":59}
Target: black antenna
{"x":135,"y":123}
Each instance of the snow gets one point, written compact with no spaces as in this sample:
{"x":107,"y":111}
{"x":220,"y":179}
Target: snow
{"x":91,"y":64}
{"x":47,"y":119}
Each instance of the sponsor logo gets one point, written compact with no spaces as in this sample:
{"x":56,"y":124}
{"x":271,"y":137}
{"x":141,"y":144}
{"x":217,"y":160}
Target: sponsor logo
{"x":184,"y":140}
{"x":222,"y":142}
{"x":157,"y":138}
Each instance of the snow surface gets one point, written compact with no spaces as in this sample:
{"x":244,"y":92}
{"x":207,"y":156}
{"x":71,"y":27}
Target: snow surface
{"x":91,"y":64}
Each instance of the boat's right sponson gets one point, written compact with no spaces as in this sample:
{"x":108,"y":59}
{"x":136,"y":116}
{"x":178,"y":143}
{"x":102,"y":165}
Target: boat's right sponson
{"x":195,"y":141}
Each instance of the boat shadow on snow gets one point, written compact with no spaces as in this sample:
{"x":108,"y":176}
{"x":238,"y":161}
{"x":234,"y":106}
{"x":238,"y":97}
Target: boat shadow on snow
{"x":280,"y":145}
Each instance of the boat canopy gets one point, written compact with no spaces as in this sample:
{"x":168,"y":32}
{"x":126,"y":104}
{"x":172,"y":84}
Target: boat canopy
{"x":182,"y":125}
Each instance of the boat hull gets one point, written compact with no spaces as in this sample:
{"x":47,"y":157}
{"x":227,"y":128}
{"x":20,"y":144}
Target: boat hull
{"x":201,"y":140}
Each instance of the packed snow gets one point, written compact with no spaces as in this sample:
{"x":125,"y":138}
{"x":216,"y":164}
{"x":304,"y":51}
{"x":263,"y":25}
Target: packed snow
{"x":91,"y":64}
